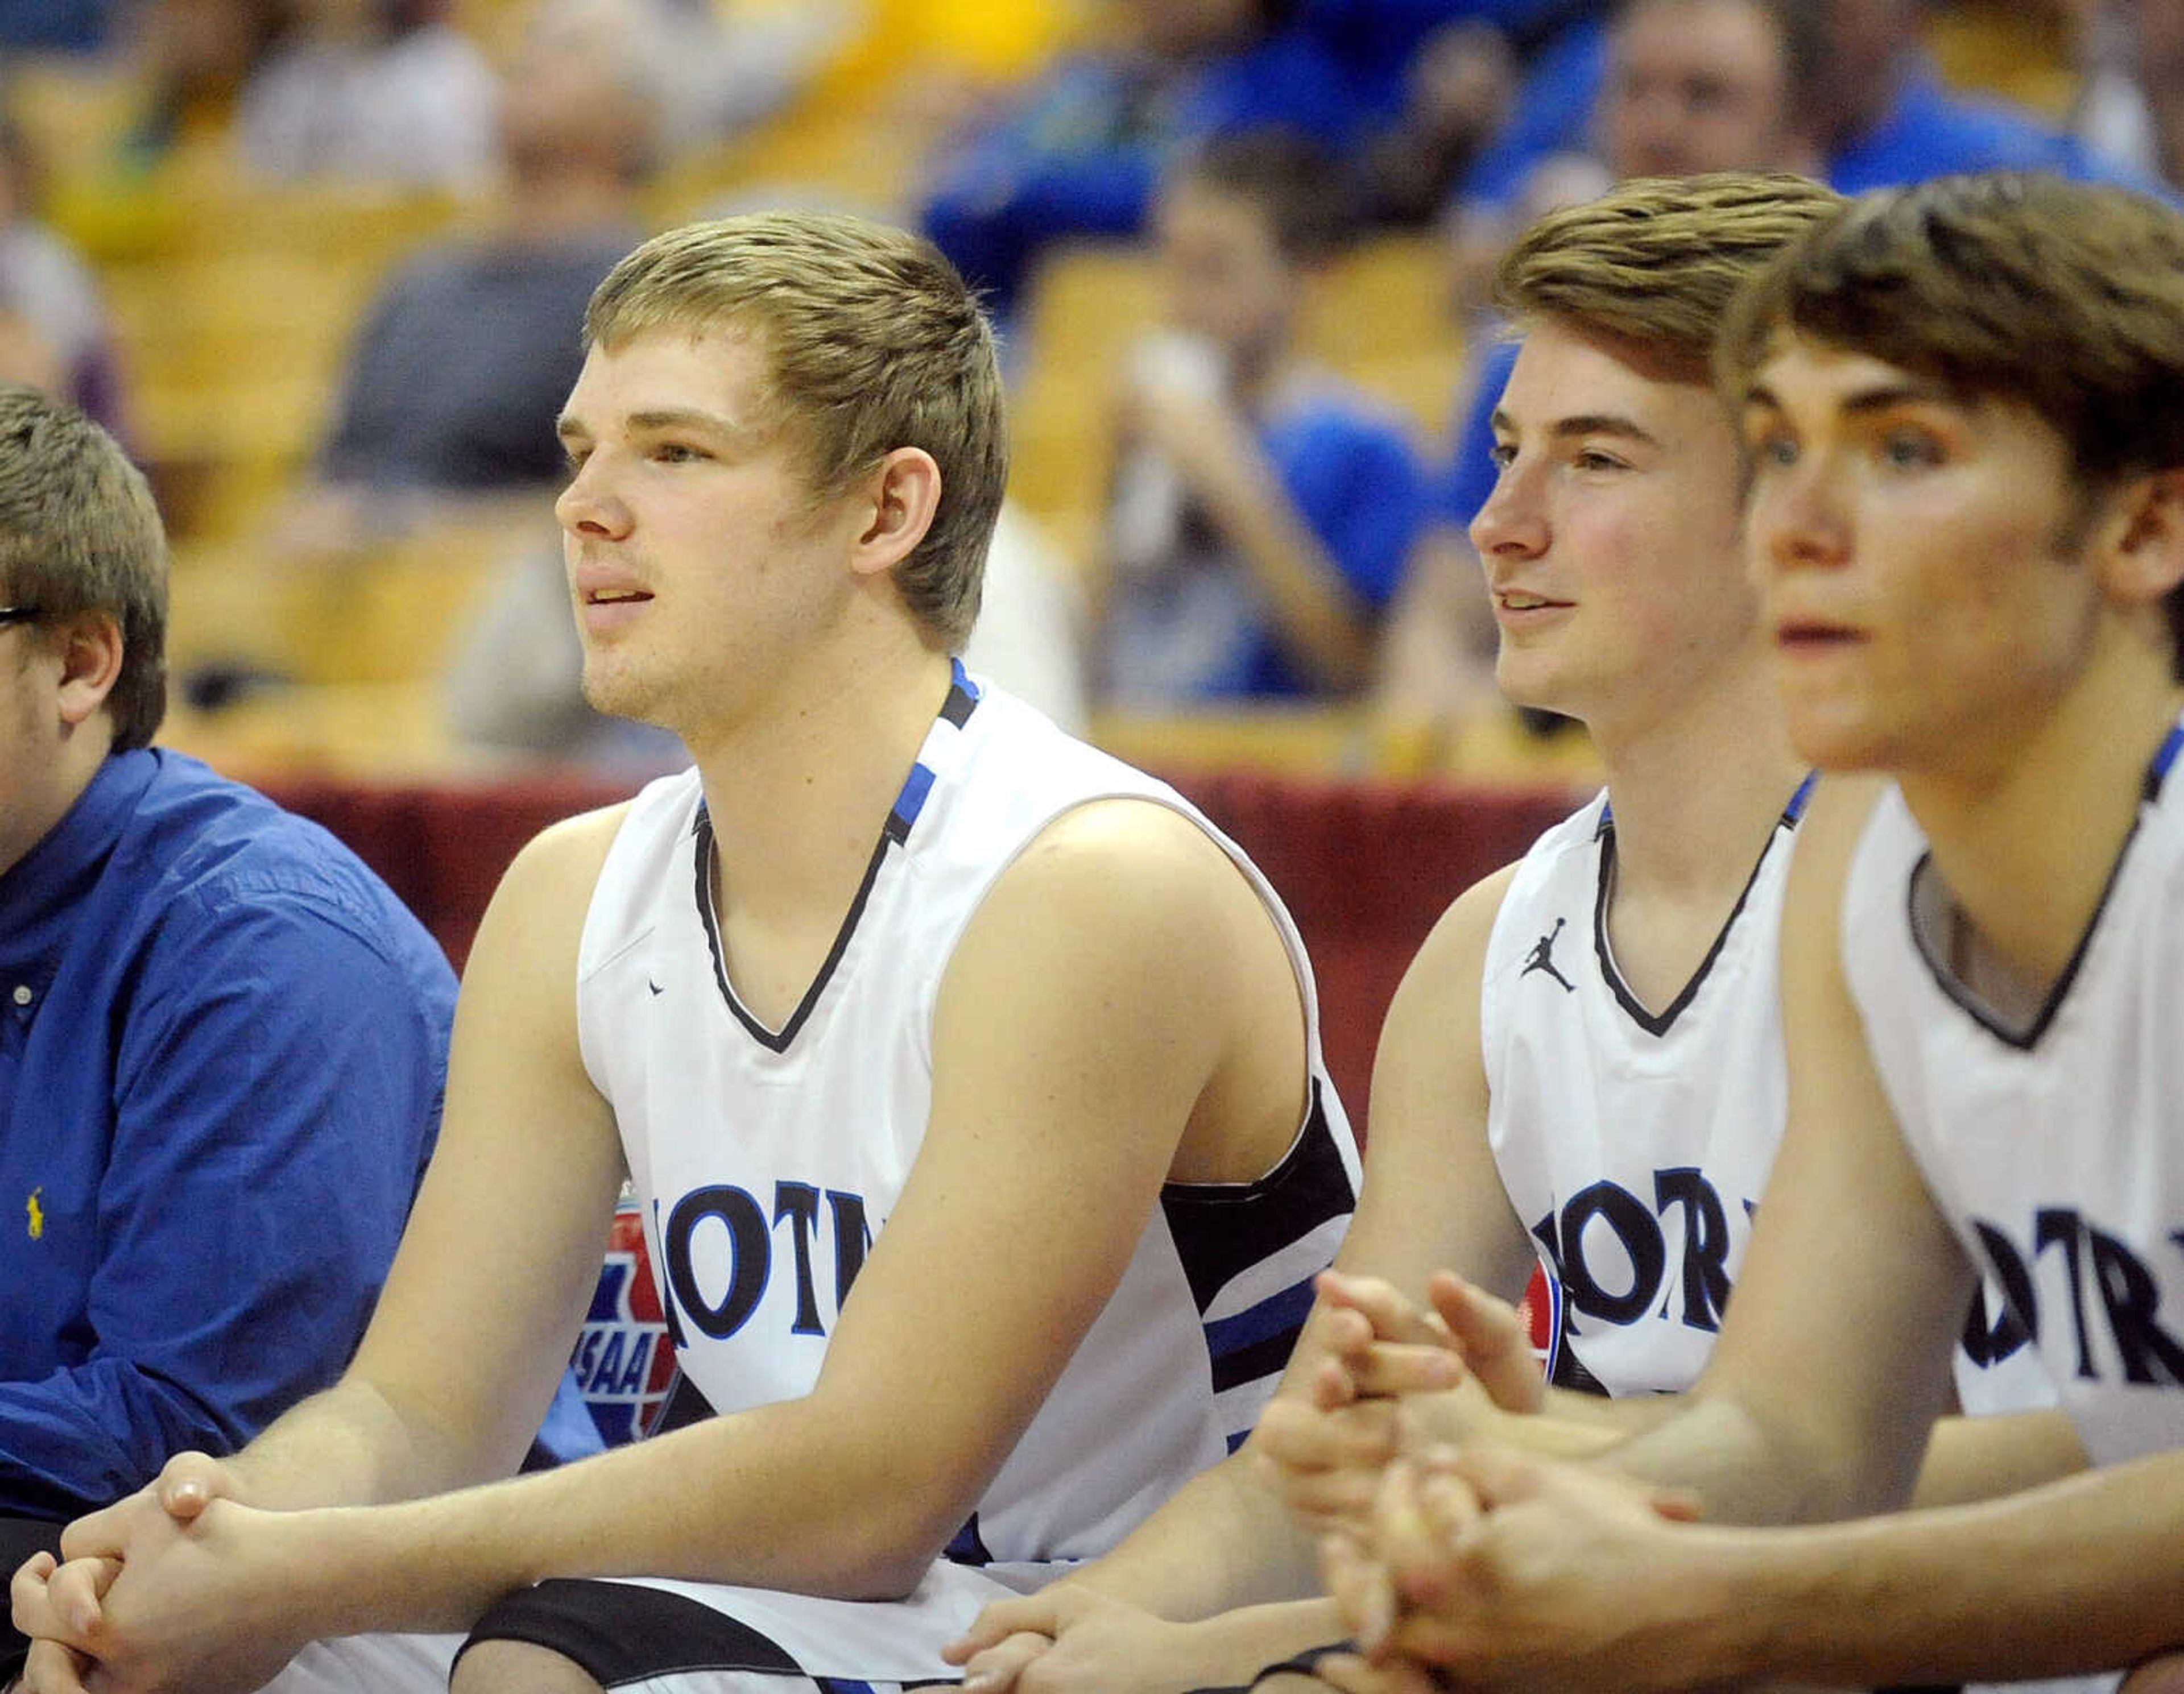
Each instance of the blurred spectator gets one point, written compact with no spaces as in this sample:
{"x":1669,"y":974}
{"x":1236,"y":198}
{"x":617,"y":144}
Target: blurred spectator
{"x":464,"y":361}
{"x":1081,"y":152}
{"x":1682,"y":86}
{"x":1456,"y":94}
{"x":1261,"y":510}
{"x":56,"y":335}
{"x":1380,"y":41}
{"x":725,"y":69}
{"x":1867,"y":97}
{"x":196,"y":57}
{"x":384,"y":90}
{"x":2132,"y":106}
{"x":68,"y":26}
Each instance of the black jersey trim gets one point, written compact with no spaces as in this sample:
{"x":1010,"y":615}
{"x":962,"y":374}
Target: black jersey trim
{"x":1569,"y":1373}
{"x":777,"y":1041}
{"x":2024,"y":1040}
{"x":1222,"y":1230}
{"x":962,"y":700}
{"x":1660,"y":1023}
{"x":620,"y":1632}
{"x":685,"y":1404}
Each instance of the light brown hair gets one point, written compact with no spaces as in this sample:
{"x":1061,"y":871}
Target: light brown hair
{"x":2064,"y":297}
{"x":80,"y":533}
{"x":872,"y":342}
{"x":1656,"y":261}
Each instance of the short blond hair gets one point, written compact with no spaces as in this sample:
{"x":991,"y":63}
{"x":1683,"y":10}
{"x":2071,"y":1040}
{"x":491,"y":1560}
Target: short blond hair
{"x":80,"y":533}
{"x":872,"y":343}
{"x":1656,"y":261}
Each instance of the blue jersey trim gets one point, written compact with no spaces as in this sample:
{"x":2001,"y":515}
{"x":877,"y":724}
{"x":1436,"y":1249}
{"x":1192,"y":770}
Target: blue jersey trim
{"x":1275,"y":1315}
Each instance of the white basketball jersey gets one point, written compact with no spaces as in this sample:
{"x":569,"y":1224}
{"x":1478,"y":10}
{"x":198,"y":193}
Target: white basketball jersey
{"x":769,"y":1161}
{"x":1634,"y":1144}
{"x":2055,"y":1151}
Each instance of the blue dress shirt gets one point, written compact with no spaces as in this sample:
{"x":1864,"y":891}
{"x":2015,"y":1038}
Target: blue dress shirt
{"x":1927,"y":131}
{"x":222,"y":1042}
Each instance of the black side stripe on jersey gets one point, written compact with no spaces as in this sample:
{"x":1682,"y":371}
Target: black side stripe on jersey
{"x":1221,"y":1229}
{"x":1570,"y":1373}
{"x":967,"y":1545}
{"x":685,"y":1404}
{"x":620,"y":1632}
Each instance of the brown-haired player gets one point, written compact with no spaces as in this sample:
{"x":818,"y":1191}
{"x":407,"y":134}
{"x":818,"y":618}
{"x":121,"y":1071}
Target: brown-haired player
{"x":969,"y":1080}
{"x":1964,"y":404}
{"x":1600,"y":1013}
{"x":1585,"y":1065}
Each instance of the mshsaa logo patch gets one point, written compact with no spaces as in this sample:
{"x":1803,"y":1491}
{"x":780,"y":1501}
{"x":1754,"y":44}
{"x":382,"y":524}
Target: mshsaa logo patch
{"x":624,"y":1361}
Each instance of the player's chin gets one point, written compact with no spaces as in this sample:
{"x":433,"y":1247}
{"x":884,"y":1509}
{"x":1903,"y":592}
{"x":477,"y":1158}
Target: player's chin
{"x":1831,"y":734}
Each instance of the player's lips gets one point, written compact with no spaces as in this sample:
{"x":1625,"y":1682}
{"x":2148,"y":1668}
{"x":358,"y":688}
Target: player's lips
{"x":1515,"y":607}
{"x":1811,"y":635}
{"x":608,"y":599}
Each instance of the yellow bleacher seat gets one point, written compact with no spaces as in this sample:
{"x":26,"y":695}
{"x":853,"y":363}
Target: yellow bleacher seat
{"x":391,"y":612}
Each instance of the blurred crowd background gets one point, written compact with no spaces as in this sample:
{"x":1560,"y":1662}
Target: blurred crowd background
{"x":321,"y":265}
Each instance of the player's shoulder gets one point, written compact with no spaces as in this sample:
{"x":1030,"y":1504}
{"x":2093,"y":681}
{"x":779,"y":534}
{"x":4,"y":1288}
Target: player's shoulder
{"x":1121,"y":853}
{"x":564,"y":860}
{"x":1444,"y":975}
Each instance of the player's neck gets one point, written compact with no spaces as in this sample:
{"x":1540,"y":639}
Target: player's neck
{"x":2044,"y":811}
{"x":797,"y":798}
{"x":1697,"y":788}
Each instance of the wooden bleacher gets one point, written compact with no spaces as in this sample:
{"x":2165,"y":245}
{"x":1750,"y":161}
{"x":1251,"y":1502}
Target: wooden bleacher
{"x":235,"y":304}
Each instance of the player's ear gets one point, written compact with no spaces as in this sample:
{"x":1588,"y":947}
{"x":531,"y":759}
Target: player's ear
{"x":90,"y":645}
{"x":902,"y":494}
{"x":2145,"y":561}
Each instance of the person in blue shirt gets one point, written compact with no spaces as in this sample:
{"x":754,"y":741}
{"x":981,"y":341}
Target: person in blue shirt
{"x":1261,"y":510}
{"x":222,"y":1038}
{"x":1870,"y":102}
{"x":1081,"y":153}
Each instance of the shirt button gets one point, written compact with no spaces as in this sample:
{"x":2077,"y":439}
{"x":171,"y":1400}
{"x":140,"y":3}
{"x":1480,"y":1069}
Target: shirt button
{"x":23,"y":995}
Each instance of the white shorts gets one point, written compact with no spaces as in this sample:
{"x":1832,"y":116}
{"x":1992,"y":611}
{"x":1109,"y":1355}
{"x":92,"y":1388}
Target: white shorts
{"x":654,"y":1636}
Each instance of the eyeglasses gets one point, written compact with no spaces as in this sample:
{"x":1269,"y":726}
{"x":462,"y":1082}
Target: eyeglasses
{"x":21,"y":614}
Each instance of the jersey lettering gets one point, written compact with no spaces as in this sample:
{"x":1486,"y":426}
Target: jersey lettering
{"x":1625,"y":1294}
{"x":731,"y":1227}
{"x":2101,"y":1274}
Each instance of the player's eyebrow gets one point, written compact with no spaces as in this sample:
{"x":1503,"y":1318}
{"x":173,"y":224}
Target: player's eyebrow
{"x":1879,"y":397}
{"x":656,"y":419}
{"x":1581,"y":424}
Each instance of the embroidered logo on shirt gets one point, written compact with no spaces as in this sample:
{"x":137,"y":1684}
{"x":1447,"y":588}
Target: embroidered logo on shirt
{"x":37,"y":1213}
{"x":1542,"y":958}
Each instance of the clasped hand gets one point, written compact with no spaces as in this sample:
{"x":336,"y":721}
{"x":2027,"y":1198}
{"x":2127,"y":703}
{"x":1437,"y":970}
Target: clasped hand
{"x":171,"y":1588}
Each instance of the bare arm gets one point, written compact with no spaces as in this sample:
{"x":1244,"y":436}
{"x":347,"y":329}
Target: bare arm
{"x":1815,"y":1409}
{"x":1227,"y":1539}
{"x":852,"y":1490}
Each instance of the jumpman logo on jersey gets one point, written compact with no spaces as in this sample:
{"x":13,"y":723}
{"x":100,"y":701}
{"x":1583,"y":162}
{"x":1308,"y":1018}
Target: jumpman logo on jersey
{"x":37,"y":1213}
{"x":1542,"y":958}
